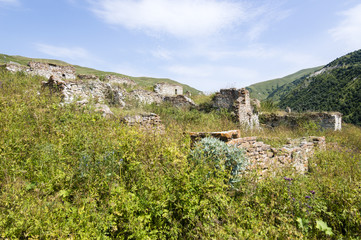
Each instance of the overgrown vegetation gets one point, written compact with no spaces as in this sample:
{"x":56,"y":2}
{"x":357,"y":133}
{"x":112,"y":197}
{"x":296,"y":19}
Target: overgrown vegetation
{"x":68,"y":173}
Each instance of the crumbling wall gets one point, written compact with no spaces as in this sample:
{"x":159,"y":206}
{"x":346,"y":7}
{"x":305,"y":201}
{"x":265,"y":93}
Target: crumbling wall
{"x":180,"y":101}
{"x":119,"y":80}
{"x":83,"y":92}
{"x":167,"y":89}
{"x":48,"y":69}
{"x":145,"y":121}
{"x":145,"y":97}
{"x":266,"y":158}
{"x":325,"y":120}
{"x":238,"y":102}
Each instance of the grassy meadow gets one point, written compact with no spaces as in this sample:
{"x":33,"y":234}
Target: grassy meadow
{"x":68,"y":173}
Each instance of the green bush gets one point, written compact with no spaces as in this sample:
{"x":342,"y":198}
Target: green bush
{"x":218,"y":154}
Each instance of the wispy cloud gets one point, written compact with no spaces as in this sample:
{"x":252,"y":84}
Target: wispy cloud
{"x":9,"y":2}
{"x":348,"y":30}
{"x":190,"y":18}
{"x":73,"y":53}
{"x":187,"y":18}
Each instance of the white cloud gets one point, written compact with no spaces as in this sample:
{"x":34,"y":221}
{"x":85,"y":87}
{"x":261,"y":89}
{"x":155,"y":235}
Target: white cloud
{"x":73,"y":53}
{"x":186,"y":18}
{"x":348,"y":30}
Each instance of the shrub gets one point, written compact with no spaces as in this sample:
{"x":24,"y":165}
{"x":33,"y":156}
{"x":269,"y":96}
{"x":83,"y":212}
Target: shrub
{"x":223,"y":157}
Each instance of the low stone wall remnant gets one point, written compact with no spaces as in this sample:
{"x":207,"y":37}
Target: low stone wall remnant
{"x":145,"y":121}
{"x":325,"y":120}
{"x":268,"y":159}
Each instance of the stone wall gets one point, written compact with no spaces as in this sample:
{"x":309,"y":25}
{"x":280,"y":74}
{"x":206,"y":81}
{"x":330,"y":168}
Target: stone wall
{"x":167,"y":89}
{"x":325,"y":120}
{"x":238,"y":102}
{"x":83,"y":92}
{"x":48,"y":69}
{"x":145,"y":97}
{"x":119,"y":80}
{"x":265,"y":158}
{"x":145,"y":121}
{"x":180,"y":101}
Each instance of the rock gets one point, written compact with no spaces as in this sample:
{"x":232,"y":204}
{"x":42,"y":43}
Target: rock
{"x":104,"y":110}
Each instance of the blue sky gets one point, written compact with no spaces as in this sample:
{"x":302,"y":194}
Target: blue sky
{"x":207,"y":44}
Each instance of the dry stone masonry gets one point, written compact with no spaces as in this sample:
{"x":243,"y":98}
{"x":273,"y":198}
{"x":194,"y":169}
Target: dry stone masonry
{"x":145,"y":121}
{"x":239,"y":102}
{"x":266,"y":158}
{"x":325,"y":120}
{"x":180,"y":101}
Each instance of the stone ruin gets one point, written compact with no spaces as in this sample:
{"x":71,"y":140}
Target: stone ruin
{"x":238,"y":102}
{"x":44,"y":69}
{"x":265,"y":158}
{"x":180,"y":101}
{"x":324,"y":120}
{"x":145,"y":121}
{"x":119,"y":80}
{"x":167,"y":89}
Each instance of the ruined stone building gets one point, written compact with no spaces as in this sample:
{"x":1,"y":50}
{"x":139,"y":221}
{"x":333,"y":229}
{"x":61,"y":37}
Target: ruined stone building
{"x":167,"y":89}
{"x":44,"y":69}
{"x":49,"y":69}
{"x":238,"y":102}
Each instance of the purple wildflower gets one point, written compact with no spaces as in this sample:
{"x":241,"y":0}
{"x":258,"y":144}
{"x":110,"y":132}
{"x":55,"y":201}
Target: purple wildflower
{"x":288,"y":179}
{"x":308,"y":197}
{"x":313,"y":192}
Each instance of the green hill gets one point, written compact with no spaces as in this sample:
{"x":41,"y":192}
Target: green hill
{"x":336,"y":87}
{"x":146,"y":82}
{"x":262,"y":90}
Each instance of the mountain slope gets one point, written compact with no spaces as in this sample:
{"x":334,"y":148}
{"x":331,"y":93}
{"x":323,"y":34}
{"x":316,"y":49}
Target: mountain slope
{"x":336,"y":87}
{"x":262,"y":90}
{"x":146,"y":82}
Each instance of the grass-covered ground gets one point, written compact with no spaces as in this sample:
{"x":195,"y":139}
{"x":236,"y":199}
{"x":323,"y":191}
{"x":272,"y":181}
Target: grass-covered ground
{"x":68,"y":173}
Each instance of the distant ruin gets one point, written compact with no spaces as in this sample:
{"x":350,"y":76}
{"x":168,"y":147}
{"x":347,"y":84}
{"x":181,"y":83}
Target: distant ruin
{"x":167,"y":89}
{"x":43,"y":69}
{"x":238,"y":102}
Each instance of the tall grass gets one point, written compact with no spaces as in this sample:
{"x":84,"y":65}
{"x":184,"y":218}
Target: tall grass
{"x":68,"y":173}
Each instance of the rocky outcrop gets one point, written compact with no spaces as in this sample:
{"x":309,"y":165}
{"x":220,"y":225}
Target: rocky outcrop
{"x":238,"y":102}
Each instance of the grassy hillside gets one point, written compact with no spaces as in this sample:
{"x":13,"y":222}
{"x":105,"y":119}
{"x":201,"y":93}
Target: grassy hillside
{"x":262,"y":90}
{"x":146,"y":82}
{"x":68,"y":173}
{"x":336,"y":88}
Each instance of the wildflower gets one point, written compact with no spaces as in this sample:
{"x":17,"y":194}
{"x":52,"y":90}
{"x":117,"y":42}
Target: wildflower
{"x":313,"y":192}
{"x":307,"y":197}
{"x":288,"y":179}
